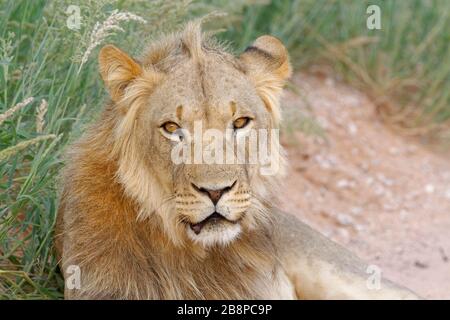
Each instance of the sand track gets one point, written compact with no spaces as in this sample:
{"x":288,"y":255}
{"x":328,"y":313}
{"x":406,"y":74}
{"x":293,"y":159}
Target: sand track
{"x":385,"y":197}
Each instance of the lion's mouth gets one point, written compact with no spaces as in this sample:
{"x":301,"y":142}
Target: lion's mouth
{"x":214,"y":218}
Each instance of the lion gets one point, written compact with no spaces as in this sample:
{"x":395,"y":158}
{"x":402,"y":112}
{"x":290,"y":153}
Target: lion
{"x":137,"y":225}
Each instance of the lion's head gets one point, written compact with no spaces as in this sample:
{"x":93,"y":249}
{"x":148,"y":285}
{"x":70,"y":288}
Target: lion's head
{"x":183,"y":81}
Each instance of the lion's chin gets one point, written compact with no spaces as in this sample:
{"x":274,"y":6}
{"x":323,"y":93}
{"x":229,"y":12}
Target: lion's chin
{"x":212,"y":235}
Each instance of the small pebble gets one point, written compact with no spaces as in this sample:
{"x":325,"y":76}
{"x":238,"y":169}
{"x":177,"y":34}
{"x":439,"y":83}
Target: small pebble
{"x":429,"y":188}
{"x":420,"y":264}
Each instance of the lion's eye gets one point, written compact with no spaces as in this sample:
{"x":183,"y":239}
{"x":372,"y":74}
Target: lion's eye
{"x":241,"y":122}
{"x":170,"y":127}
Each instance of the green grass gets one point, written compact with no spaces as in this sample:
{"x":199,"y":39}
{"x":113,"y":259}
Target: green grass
{"x":404,"y":67}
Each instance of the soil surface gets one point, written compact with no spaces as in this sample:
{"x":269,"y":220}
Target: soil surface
{"x":383,"y":196}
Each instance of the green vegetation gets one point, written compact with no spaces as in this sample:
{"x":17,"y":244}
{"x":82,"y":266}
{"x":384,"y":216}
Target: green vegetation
{"x":404,"y":67}
{"x":51,"y":92}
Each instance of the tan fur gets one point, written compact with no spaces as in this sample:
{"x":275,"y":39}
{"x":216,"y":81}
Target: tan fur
{"x":125,"y":206}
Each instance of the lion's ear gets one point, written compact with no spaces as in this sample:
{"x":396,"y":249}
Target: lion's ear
{"x":266,"y":62}
{"x":117,"y":70}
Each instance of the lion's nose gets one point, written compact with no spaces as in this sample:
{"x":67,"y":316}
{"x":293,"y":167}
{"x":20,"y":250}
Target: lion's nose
{"x":214,"y":194}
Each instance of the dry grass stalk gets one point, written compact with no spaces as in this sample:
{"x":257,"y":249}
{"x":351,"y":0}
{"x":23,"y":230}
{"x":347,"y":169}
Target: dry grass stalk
{"x":14,"y":109}
{"x":41,"y":111}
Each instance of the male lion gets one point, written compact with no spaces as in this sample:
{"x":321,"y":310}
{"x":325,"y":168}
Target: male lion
{"x":140,"y":226}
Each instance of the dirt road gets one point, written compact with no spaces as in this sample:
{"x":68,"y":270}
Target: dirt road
{"x":381,"y":195}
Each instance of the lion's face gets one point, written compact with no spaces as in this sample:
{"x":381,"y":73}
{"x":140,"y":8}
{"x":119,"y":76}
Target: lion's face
{"x":214,"y":201}
{"x":175,"y":121}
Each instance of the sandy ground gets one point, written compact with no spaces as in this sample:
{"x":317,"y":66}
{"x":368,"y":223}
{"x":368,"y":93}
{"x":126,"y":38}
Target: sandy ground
{"x":385,"y":197}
